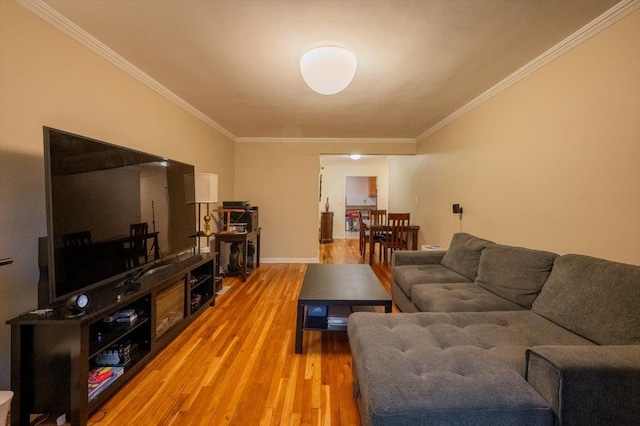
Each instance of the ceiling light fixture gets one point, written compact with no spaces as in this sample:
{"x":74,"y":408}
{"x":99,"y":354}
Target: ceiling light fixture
{"x":329,"y":69}
{"x":355,"y":156}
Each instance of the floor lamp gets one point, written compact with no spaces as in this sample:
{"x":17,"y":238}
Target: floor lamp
{"x":202,"y":188}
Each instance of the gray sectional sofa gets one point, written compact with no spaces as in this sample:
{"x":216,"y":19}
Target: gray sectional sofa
{"x":500,"y":335}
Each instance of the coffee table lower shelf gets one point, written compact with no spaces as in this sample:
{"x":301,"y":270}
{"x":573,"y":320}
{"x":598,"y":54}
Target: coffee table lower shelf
{"x":311,"y":323}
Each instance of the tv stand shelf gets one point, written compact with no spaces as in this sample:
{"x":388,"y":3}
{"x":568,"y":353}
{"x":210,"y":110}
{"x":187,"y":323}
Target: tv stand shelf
{"x":73,"y":365}
{"x":110,"y":337}
{"x":202,"y":287}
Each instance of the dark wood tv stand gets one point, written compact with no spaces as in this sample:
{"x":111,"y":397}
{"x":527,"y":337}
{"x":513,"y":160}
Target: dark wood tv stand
{"x":52,"y":356}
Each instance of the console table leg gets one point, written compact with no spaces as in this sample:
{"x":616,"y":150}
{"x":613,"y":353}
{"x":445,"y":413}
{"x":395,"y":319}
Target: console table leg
{"x":258,"y":250}
{"x":245,"y":249}
{"x":299,"y":325}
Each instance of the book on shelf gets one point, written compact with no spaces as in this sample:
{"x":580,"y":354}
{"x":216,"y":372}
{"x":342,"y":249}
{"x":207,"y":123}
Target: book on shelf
{"x":101,"y":378}
{"x":127,"y":319}
{"x":338,"y":315}
{"x":317,"y":310}
{"x":125,"y":313}
{"x":337,"y":327}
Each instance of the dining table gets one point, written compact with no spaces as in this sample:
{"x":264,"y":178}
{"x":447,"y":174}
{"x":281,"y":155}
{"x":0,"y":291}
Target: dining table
{"x":375,"y":229}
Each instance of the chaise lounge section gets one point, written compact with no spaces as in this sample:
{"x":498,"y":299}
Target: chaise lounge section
{"x":565,"y":349}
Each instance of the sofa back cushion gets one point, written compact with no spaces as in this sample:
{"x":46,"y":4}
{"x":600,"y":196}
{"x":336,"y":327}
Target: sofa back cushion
{"x":594,"y":298}
{"x":463,"y":255}
{"x":514,"y":273}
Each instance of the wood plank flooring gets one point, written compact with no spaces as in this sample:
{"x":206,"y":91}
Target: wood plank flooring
{"x":235,"y":365}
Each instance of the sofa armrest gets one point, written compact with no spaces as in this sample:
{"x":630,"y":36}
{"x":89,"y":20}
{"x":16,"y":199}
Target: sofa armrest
{"x":416,"y":257}
{"x":587,"y":384}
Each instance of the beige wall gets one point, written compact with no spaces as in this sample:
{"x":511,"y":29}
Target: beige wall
{"x":46,"y":78}
{"x":553,"y":162}
{"x":406,"y":191}
{"x":281,"y":178}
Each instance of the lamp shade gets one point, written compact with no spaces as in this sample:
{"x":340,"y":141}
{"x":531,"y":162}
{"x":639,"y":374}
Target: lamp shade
{"x":329,"y":69}
{"x":201,"y":188}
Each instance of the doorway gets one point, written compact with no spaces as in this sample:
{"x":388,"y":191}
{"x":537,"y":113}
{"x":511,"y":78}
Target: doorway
{"x":334,"y":171}
{"x":361,"y":195}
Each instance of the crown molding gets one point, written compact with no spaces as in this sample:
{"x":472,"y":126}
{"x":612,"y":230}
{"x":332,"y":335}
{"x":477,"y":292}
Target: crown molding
{"x":50,"y":15}
{"x":327,"y":140}
{"x":610,"y":17}
{"x":56,"y":19}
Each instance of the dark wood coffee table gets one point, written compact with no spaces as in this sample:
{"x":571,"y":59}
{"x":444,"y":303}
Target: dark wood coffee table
{"x":351,"y":285}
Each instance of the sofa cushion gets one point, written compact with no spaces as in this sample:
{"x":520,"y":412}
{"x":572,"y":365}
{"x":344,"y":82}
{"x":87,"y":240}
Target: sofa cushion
{"x":595,"y":298}
{"x":402,"y":301}
{"x":416,"y":257}
{"x":515,"y":273}
{"x":463,"y":255}
{"x":449,"y":368}
{"x":458,"y":297}
{"x":408,"y":276}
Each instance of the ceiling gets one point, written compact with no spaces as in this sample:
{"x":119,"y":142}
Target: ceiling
{"x":237,"y":62}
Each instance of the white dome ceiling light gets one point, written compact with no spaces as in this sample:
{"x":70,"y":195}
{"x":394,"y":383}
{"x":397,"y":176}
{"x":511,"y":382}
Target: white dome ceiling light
{"x":329,"y":69}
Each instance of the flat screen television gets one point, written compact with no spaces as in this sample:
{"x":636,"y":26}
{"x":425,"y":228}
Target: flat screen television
{"x":110,"y":211}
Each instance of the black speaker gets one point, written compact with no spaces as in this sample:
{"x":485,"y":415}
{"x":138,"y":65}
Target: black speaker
{"x":251,"y":250}
{"x":76,"y":304}
{"x":236,"y":260}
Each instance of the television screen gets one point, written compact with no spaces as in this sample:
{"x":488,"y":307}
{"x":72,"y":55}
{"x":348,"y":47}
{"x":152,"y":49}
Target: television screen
{"x":111,"y":210}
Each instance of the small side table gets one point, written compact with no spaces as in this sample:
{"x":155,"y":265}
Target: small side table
{"x":242,"y":238}
{"x":326,"y":227}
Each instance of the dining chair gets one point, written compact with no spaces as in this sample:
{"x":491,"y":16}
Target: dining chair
{"x":378,"y":218}
{"x":364,"y":235}
{"x":138,"y":233}
{"x":398,"y":235}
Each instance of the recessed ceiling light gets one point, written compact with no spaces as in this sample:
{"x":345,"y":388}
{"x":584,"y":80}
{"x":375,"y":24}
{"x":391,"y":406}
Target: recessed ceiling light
{"x":355,"y":156}
{"x":329,"y":69}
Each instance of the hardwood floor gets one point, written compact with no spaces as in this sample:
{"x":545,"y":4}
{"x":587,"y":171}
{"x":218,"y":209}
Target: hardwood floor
{"x":236,"y":363}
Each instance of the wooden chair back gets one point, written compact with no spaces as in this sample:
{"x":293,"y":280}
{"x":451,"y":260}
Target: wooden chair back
{"x":378,"y":217}
{"x":398,"y":231}
{"x":138,"y":232}
{"x":363,"y":235}
{"x":137,"y":229}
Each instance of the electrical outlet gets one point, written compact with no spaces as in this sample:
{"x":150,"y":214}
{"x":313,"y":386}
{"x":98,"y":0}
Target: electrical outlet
{"x":416,"y":200}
